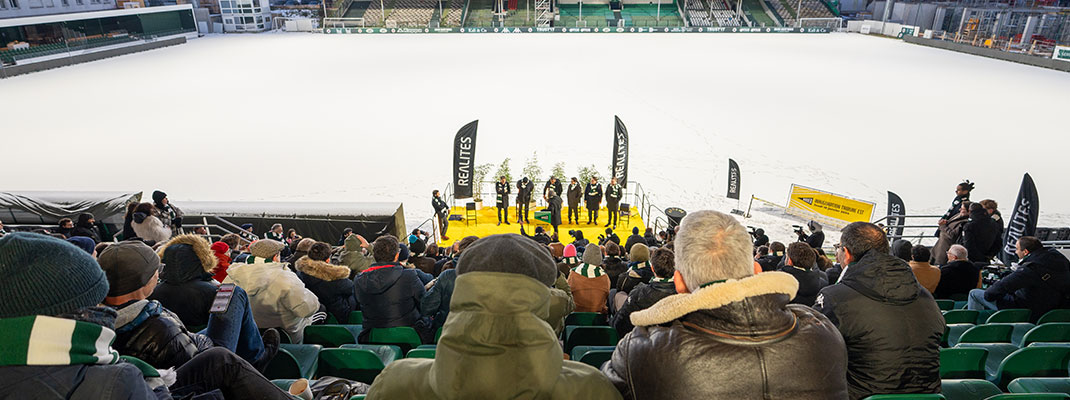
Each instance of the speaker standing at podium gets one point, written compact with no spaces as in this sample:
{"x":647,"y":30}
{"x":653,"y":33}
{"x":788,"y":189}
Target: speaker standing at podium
{"x":503,"y":189}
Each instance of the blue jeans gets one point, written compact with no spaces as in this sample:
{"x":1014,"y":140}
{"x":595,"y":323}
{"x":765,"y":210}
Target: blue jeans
{"x":976,"y":301}
{"x":235,"y":329}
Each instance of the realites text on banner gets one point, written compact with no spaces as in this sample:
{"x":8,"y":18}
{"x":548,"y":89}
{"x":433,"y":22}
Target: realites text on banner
{"x":829,"y":204}
{"x":733,"y":179}
{"x":620,"y":152}
{"x":1023,"y":220}
{"x":464,"y":160}
{"x":895,"y":207}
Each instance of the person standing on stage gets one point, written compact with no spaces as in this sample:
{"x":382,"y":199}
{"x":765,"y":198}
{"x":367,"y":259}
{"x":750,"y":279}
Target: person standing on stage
{"x":554,"y":184}
{"x":555,"y":209}
{"x":592,"y":195}
{"x":524,"y":187}
{"x":442,"y":211}
{"x":613,"y":195}
{"x":575,"y":192}
{"x":503,"y":189}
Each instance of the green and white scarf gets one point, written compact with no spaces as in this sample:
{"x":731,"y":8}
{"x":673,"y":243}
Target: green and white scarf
{"x":43,"y":340}
{"x":663,"y":280}
{"x":588,"y":270}
{"x":258,"y":260}
{"x":640,"y":266}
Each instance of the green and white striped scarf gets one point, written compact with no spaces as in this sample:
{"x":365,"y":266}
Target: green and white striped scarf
{"x":640,"y":266}
{"x":258,"y":260}
{"x":589,"y":271}
{"x":663,"y":280}
{"x":43,"y":340}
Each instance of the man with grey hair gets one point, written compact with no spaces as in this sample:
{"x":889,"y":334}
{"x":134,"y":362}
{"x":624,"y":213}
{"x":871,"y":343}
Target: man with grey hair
{"x":727,"y":331}
{"x":958,"y":276}
{"x":876,"y":295}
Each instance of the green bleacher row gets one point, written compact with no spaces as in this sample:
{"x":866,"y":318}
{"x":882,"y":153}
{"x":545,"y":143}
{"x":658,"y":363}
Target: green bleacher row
{"x":9,"y":56}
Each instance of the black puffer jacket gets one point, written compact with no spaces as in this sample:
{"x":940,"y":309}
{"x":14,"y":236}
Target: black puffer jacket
{"x":640,"y":298}
{"x":981,"y":236}
{"x":389,"y":296}
{"x":614,"y":267}
{"x":330,"y":284}
{"x":736,"y":340}
{"x":811,"y":281}
{"x":957,"y":278}
{"x":1039,"y":284}
{"x":769,"y":262}
{"x":146,"y":330}
{"x":891,"y":325}
{"x":186,"y":287}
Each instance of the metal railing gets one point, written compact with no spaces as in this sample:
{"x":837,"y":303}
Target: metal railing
{"x":920,"y":231}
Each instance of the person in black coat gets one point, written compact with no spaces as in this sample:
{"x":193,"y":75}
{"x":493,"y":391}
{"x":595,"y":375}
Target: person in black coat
{"x":540,"y":235}
{"x":442,"y":211}
{"x":962,"y":194}
{"x":592,"y":195}
{"x":390,"y":294}
{"x":575,"y":193}
{"x":555,"y":209}
{"x":1041,"y":282}
{"x":613,"y":264}
{"x":981,"y":235}
{"x":760,"y":239}
{"x":816,"y":238}
{"x":502,"y":189}
{"x":610,"y":236}
{"x":614,"y":193}
{"x":87,"y":227}
{"x":875,"y":295}
{"x":959,"y":276}
{"x":645,"y":295}
{"x":524,"y":187}
{"x":186,"y":286}
{"x":551,"y":184}
{"x":330,"y":283}
{"x":773,"y":260}
{"x":801,"y":264}
{"x":633,"y":240}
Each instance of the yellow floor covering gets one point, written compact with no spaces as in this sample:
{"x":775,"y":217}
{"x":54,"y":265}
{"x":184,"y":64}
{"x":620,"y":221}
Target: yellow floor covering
{"x":486,"y":224}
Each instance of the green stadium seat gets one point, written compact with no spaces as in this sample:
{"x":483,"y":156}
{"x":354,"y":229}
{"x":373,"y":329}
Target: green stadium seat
{"x":427,"y":346}
{"x":963,"y":363}
{"x":294,"y":361}
{"x":1060,"y":315}
{"x":1009,"y":315}
{"x":386,"y":352}
{"x":358,"y":397}
{"x":996,"y":353}
{"x":1030,"y":396}
{"x":946,"y":305}
{"x":968,"y":389}
{"x":595,"y":358}
{"x":1050,"y":332}
{"x":960,"y":317}
{"x":952,"y":332}
{"x":960,"y":305}
{"x":589,"y":336}
{"x":905,"y":397}
{"x":421,"y":353}
{"x":331,"y":320}
{"x":284,"y":384}
{"x":1033,"y":362}
{"x":586,"y":319}
{"x":356,"y":364}
{"x":1020,"y":329}
{"x":982,"y":316}
{"x":356,"y":317}
{"x":1049,"y":344}
{"x":331,"y":335}
{"x":1039,"y":385}
{"x":402,"y":336}
{"x":984,"y":334}
{"x":579,"y":350}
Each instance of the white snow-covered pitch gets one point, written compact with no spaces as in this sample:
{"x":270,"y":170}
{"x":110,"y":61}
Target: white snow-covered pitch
{"x":371,"y":117}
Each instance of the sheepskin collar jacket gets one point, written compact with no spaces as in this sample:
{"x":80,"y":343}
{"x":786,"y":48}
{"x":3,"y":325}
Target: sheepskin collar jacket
{"x":331,"y":285}
{"x":739,"y":339}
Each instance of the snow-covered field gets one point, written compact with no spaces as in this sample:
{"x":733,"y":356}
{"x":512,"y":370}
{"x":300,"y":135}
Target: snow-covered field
{"x":289,"y":117}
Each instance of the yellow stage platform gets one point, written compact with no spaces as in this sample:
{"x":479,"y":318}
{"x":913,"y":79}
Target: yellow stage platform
{"x":486,"y":223}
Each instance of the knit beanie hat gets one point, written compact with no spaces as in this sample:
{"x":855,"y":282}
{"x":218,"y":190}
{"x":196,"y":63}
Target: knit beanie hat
{"x":509,"y":253}
{"x":640,"y":253}
{"x":83,"y":243}
{"x":266,"y":248}
{"x":403,"y":253}
{"x":220,"y":249}
{"x":305,"y":244}
{"x":570,"y":251}
{"x":128,"y":265}
{"x":42,"y":275}
{"x":158,"y":196}
{"x":592,"y":254}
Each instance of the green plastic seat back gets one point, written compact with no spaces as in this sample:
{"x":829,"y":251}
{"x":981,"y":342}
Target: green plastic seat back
{"x":356,"y":364}
{"x":358,"y":397}
{"x":960,"y":304}
{"x":1030,"y":396}
{"x":586,"y":319}
{"x":402,"y":336}
{"x":590,"y":336}
{"x":1020,"y":329}
{"x":421,"y":353}
{"x":963,"y":363}
{"x":1039,"y":385}
{"x":1050,"y":332}
{"x":946,"y":305}
{"x":960,"y":317}
{"x":331,"y":335}
{"x":305,"y":355}
{"x":985,"y":334}
{"x":578,"y":351}
{"x":283,"y":366}
{"x":331,"y":320}
{"x":1033,"y":362}
{"x":595,"y":358}
{"x":1009,"y":315}
{"x":968,"y":389}
{"x":906,"y":397}
{"x":1049,"y":344}
{"x":356,"y":317}
{"x":386,"y":353}
{"x":952,"y":332}
{"x":996,"y":353}
{"x":1059,"y":315}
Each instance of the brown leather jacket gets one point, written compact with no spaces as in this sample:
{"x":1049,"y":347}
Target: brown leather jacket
{"x":734,"y":340}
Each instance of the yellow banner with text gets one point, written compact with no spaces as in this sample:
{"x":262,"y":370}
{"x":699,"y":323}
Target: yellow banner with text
{"x":830,"y":204}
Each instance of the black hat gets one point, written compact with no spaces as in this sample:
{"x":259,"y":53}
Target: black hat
{"x":129,"y":265}
{"x":510,"y":253}
{"x":158,"y":196}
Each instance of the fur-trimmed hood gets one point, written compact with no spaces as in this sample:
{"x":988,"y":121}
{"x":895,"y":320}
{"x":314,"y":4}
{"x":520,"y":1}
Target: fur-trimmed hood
{"x":716,"y":296}
{"x":321,"y":270}
{"x":185,"y":258}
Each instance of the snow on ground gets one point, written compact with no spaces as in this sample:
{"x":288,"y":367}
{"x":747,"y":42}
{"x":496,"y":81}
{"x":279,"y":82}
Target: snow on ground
{"x":311,"y":117}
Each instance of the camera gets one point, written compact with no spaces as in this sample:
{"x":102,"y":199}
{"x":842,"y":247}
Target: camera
{"x":797,"y":228}
{"x":572,"y":233}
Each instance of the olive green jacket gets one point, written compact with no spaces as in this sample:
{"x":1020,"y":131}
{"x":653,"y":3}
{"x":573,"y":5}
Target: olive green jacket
{"x":496,"y":344}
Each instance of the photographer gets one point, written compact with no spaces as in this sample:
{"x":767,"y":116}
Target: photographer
{"x":578,"y":240}
{"x":815,"y":239}
{"x":760,"y":239}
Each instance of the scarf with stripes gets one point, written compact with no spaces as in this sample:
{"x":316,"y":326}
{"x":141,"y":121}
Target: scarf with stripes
{"x":638,"y":267}
{"x":258,"y":260}
{"x":589,"y":271}
{"x":662,"y":280}
{"x":44,"y":340}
